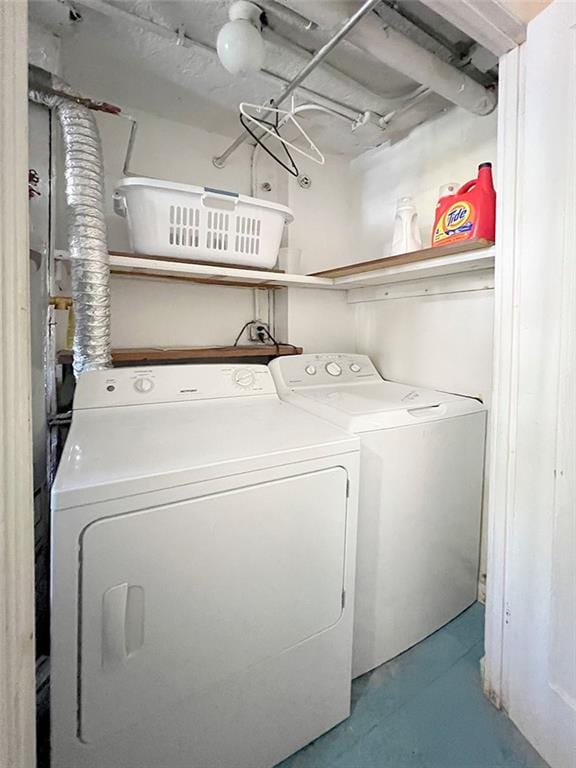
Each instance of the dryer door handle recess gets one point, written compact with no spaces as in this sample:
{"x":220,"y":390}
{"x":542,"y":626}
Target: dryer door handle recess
{"x":122,"y":623}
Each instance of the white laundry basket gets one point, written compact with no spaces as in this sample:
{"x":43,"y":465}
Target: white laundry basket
{"x":199,"y":223}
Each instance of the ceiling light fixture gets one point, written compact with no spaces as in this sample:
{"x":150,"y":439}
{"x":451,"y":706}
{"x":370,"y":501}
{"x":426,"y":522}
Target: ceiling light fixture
{"x":240,"y":45}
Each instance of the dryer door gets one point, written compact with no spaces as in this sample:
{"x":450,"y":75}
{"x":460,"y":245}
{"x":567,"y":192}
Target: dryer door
{"x":175,"y":599}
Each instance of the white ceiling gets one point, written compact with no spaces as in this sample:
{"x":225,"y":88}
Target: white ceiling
{"x":120,"y":61}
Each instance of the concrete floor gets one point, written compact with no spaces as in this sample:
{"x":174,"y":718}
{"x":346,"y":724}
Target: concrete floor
{"x":424,"y":709}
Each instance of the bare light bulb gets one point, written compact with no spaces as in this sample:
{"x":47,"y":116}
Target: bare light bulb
{"x":240,"y":45}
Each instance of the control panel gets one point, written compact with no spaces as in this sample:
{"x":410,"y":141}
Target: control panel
{"x":322,"y":370}
{"x":170,"y":384}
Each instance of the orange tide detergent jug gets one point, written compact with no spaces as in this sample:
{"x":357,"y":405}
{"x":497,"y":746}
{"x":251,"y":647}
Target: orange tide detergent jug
{"x":470,"y":213}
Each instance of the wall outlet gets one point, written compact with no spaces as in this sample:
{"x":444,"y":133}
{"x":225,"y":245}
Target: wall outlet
{"x":258,"y":331}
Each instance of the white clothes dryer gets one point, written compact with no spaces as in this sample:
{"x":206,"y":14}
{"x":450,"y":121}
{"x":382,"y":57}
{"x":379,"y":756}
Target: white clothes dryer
{"x":204,"y":537}
{"x":421,"y":477}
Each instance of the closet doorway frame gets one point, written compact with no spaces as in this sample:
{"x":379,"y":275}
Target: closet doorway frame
{"x":17,"y":654}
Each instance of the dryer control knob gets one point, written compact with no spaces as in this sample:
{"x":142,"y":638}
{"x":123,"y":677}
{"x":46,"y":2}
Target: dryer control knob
{"x":310,"y":370}
{"x":244,"y":378}
{"x":333,"y":369}
{"x":143,"y":385}
{"x":355,"y":368}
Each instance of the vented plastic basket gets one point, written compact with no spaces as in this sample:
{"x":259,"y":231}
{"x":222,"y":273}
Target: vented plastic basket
{"x":199,"y":223}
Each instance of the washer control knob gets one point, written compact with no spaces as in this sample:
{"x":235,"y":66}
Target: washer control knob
{"x":310,"y":370}
{"x":333,"y":369}
{"x":243,"y":377}
{"x":143,"y":385}
{"x":355,"y":368}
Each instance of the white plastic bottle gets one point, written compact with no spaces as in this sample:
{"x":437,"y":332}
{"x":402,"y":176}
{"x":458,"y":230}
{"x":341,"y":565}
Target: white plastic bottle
{"x":406,"y":230}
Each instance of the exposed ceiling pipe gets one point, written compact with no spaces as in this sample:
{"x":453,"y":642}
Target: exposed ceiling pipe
{"x":399,"y":52}
{"x":359,"y":105}
{"x":349,"y":23}
{"x":287,"y":14}
{"x":368,"y":99}
{"x":359,"y":92}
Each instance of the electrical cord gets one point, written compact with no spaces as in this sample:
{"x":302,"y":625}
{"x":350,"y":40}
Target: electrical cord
{"x":266,"y":333}
{"x":279,"y":343}
{"x":272,"y":339}
{"x":246,"y":325}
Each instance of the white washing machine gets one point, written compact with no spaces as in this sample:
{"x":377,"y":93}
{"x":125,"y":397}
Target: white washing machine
{"x":421,"y":475}
{"x":204,"y":537}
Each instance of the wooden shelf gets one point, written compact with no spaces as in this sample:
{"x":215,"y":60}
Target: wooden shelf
{"x":404,"y":259}
{"x":427,"y":263}
{"x":480,"y":258}
{"x":174,"y":260}
{"x":136,"y":355}
{"x":132,"y":265}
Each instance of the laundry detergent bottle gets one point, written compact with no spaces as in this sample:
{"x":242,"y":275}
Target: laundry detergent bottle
{"x":469,"y":214}
{"x":406,"y":236}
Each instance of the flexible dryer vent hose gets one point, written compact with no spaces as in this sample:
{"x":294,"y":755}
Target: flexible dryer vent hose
{"x":90,"y":269}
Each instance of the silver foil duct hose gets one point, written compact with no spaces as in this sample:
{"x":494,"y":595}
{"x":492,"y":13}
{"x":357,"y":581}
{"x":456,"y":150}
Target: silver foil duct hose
{"x":90,"y":269}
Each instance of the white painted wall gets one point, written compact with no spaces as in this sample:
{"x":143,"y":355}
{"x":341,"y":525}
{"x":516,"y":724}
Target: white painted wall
{"x":322,"y":236}
{"x":43,"y":48}
{"x":319,"y":321}
{"x":325,"y":216}
{"x":442,"y":342}
{"x":443,"y":150}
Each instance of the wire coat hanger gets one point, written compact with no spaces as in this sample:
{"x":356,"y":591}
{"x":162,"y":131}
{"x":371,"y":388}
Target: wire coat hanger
{"x":271,"y":128}
{"x":292,"y":168}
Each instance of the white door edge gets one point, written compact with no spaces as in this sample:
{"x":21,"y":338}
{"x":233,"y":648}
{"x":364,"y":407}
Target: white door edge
{"x":530,"y":667}
{"x":504,"y":397}
{"x":17,"y":687}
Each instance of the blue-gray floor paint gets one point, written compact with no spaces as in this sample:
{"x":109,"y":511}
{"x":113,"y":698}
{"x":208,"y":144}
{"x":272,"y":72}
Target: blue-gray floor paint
{"x":424,"y":709}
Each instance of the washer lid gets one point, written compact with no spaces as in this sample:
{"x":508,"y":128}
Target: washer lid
{"x":121,"y":451}
{"x":381,"y":405}
{"x":348,"y":390}
{"x":375,"y":397}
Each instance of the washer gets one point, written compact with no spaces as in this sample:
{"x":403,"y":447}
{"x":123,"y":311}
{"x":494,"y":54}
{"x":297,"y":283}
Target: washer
{"x":204,"y":538}
{"x":421,"y":479}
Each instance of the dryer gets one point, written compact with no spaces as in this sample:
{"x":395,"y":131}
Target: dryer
{"x":204,"y":537}
{"x":421,"y":478}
